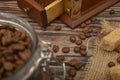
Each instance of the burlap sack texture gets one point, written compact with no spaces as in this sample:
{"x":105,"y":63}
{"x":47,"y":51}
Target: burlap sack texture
{"x":98,"y":68}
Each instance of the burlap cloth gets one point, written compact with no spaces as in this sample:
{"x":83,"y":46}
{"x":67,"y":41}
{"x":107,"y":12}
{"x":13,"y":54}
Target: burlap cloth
{"x":97,"y":68}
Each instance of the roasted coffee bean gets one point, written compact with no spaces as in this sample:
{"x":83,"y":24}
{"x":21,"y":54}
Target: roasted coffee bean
{"x":24,"y":55}
{"x":65,"y":49}
{"x":73,"y":62}
{"x":82,"y":47}
{"x":118,"y":59}
{"x":19,"y":62}
{"x":85,"y":30}
{"x":83,"y":52}
{"x":93,"y":19}
{"x":1,"y":70}
{"x":17,"y":47}
{"x":87,"y":35}
{"x":8,"y":66}
{"x":61,"y":57}
{"x":78,"y":66}
{"x":90,"y":30}
{"x":82,"y":36}
{"x":58,"y":28}
{"x":72,"y":39}
{"x":69,"y":78}
{"x":78,"y":42}
{"x":96,"y":30}
{"x":112,"y":11}
{"x":55,"y":48}
{"x":23,"y":36}
{"x":111,"y":64}
{"x":72,"y":72}
{"x":8,"y":73}
{"x":82,"y":25}
{"x":88,"y":22}
{"x":76,"y":49}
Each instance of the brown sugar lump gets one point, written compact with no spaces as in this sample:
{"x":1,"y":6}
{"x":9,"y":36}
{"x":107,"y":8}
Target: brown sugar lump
{"x":115,"y":72}
{"x":111,"y":41}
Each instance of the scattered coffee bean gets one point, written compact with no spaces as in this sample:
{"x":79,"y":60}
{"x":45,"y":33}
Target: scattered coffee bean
{"x":69,"y":78}
{"x":82,"y":36}
{"x":96,"y":30}
{"x":111,"y":64}
{"x":85,"y":30}
{"x":8,"y":66}
{"x":65,"y":49}
{"x":83,"y":25}
{"x":112,"y":11}
{"x":82,"y":47}
{"x":73,"y":62}
{"x":72,"y":39}
{"x":93,"y":19}
{"x":90,"y":30}
{"x":76,"y":49}
{"x":87,"y":35}
{"x":88,"y":22}
{"x":78,"y":66}
{"x":55,"y":48}
{"x":118,"y":59}
{"x":78,"y":42}
{"x":83,"y":52}
{"x":61,"y":57}
{"x":72,"y":72}
{"x":58,"y":28}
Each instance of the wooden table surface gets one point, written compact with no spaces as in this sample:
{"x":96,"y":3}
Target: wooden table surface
{"x":60,"y":38}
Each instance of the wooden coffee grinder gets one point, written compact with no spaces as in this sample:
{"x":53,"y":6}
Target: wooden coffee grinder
{"x":71,"y":12}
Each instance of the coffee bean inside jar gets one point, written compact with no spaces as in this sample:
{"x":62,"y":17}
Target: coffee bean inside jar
{"x":15,"y":50}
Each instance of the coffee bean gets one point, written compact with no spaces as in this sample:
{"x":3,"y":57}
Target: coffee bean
{"x":78,"y":42}
{"x":17,"y":47}
{"x":61,"y":57}
{"x":88,"y":22}
{"x":55,"y":48}
{"x":1,"y":70}
{"x":69,"y":78}
{"x":82,"y":36}
{"x":83,"y":52}
{"x":111,"y":64}
{"x":118,"y":59}
{"x":65,"y":49}
{"x":87,"y":35}
{"x":72,"y":72}
{"x":58,"y":28}
{"x":83,"y":25}
{"x":82,"y":47}
{"x":85,"y":30}
{"x":78,"y":66}
{"x":76,"y":49}
{"x":72,"y":39}
{"x":112,"y":11}
{"x":93,"y":19}
{"x":73,"y":62}
{"x":8,"y":66}
{"x":8,"y":73}
{"x":96,"y":30}
{"x":90,"y":30}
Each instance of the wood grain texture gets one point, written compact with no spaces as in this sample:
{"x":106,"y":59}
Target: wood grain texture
{"x":60,"y":38}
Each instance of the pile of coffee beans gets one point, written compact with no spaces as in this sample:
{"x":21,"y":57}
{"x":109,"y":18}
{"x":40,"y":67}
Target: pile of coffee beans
{"x":15,"y":49}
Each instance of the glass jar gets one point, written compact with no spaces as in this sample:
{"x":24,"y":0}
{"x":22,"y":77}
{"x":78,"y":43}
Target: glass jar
{"x":37,"y":66}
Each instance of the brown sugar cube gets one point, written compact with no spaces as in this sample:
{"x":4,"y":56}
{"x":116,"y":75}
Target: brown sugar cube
{"x":72,"y":39}
{"x":8,"y":66}
{"x":55,"y":48}
{"x":65,"y":49}
{"x":58,"y":28}
{"x":82,"y":36}
{"x":111,"y":64}
{"x":78,"y":66}
{"x":112,"y":11}
{"x":83,"y":52}
{"x":73,"y":62}
{"x":78,"y":42}
{"x":72,"y":72}
{"x":118,"y":59}
{"x":76,"y":49}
